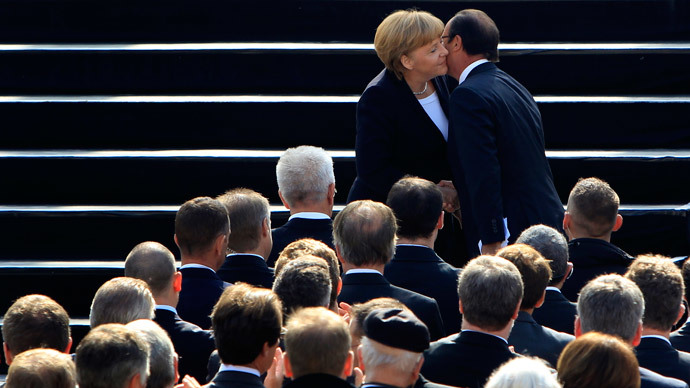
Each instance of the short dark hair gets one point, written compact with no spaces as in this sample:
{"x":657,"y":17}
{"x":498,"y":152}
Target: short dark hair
{"x":247,"y":210}
{"x":40,"y":368}
{"x":304,"y":282}
{"x":35,"y":321}
{"x":593,"y":206}
{"x":478,"y":32}
{"x":417,"y":204}
{"x":244,"y":319}
{"x":551,"y":244}
{"x":360,"y":311}
{"x":153,"y":263}
{"x":661,"y":283}
{"x":364,"y":231}
{"x":199,"y":222}
{"x":534,"y":269}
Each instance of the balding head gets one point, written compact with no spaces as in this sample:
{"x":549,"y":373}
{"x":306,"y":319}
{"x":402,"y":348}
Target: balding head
{"x":364,"y":233}
{"x":552,"y":245}
{"x":153,"y":263}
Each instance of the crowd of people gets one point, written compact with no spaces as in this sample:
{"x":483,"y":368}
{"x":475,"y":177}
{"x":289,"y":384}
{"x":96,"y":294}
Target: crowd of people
{"x":542,"y":298}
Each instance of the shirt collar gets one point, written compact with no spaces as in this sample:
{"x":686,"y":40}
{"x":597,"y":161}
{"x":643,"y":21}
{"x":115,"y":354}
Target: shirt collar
{"x":236,"y":368}
{"x":475,"y":331}
{"x":412,"y":245}
{"x":471,"y":67}
{"x":195,"y":265}
{"x":166,"y":308}
{"x":245,"y":254}
{"x":363,"y":270}
{"x":657,"y":337}
{"x":551,"y":288}
{"x":310,"y":216}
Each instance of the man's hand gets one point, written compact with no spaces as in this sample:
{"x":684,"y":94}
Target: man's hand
{"x":188,"y":382}
{"x":274,"y":375}
{"x":345,"y":311}
{"x":451,"y":203}
{"x":491,"y":249}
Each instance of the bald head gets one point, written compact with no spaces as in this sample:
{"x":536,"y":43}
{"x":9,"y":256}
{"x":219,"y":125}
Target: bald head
{"x":153,"y":263}
{"x":364,"y":233}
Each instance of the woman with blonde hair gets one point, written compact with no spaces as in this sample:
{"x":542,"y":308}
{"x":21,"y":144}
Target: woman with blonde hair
{"x":523,"y":372}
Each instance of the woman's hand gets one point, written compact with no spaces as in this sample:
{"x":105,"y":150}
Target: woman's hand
{"x":451,"y":203}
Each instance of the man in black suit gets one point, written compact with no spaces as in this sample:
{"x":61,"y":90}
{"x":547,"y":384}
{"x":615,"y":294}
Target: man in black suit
{"x":306,"y":186}
{"x":681,"y":339}
{"x":317,"y":346}
{"x":303,"y":282}
{"x":557,"y":312}
{"x":247,"y":322}
{"x":495,"y":141}
{"x":612,"y":304}
{"x":490,"y":291}
{"x":528,"y":337}
{"x":155,"y":264}
{"x":202,"y":228}
{"x":591,"y":217}
{"x":661,"y":283}
{"x":364,"y":236}
{"x":250,"y":239}
{"x":418,"y":207}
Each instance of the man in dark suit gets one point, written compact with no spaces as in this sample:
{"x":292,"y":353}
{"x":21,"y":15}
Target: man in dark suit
{"x":202,"y":228}
{"x":247,"y":322}
{"x":614,"y":305}
{"x":490,"y":291}
{"x":418,"y":207}
{"x":681,"y":339}
{"x":364,"y":236}
{"x":661,"y":283}
{"x":303,"y":282}
{"x":155,"y":264}
{"x":306,"y":186}
{"x":557,"y":312}
{"x":591,"y":217}
{"x":495,"y":141}
{"x":250,"y":239}
{"x":528,"y":337}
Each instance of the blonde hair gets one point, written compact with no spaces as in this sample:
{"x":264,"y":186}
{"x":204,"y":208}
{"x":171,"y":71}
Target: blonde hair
{"x":402,"y":32}
{"x":523,"y":372}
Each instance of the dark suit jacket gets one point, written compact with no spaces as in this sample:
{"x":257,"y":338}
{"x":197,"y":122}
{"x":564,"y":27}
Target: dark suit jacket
{"x":233,"y":379}
{"x":651,"y":379}
{"x":557,"y":313}
{"x":659,"y":356}
{"x":318,"y":380}
{"x":392,"y":126}
{"x":466,"y":359}
{"x":419,"y":269}
{"x":246,"y":268}
{"x":298,"y":228}
{"x":591,"y":258}
{"x":531,"y":339}
{"x":496,"y":153}
{"x":192,"y":344}
{"x":680,"y":339}
{"x":201,"y":289}
{"x":362,"y":287}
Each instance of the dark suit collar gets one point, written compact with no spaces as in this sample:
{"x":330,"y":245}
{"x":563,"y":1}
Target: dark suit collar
{"x":165,"y":314}
{"x":317,"y":380}
{"x":525,"y":317}
{"x":481,"y":339}
{"x":364,"y":278}
{"x":654,"y":343}
{"x":245,"y":260}
{"x":309,"y":222}
{"x":552,"y":295}
{"x":199,"y":273}
{"x":228,"y":376}
{"x":415,"y":253}
{"x":484,"y":67}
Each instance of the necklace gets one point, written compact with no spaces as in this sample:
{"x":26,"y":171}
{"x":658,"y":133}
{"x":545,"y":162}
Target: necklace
{"x":426,"y":87}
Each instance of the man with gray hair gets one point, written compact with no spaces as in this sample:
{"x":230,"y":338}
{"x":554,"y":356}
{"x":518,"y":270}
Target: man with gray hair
{"x":612,"y":304}
{"x":306,"y":186}
{"x":557,"y":312}
{"x":364,"y":236}
{"x":250,"y":239}
{"x":162,"y":356}
{"x":490,"y":290}
{"x":121,"y":300}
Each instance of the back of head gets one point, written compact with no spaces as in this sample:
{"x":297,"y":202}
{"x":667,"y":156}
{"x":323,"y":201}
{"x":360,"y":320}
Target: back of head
{"x":162,"y":373}
{"x":122,"y":300}
{"x":303,"y":282}
{"x":534,"y":269}
{"x":523,"y":372}
{"x":110,"y":356}
{"x":244,"y":319}
{"x":247,"y":210}
{"x":36,"y":321}
{"x":417,"y":204}
{"x":686,"y":278}
{"x":317,"y":341}
{"x":478,"y":31}
{"x":598,"y":360}
{"x":593,"y":206}
{"x":360,"y":311}
{"x":304,"y":174}
{"x":611,"y":304}
{"x":661,"y":283}
{"x":402,"y":32}
{"x":490,"y":290}
{"x":364,"y":232}
{"x":308,"y":246}
{"x":42,"y":368}
{"x":198,"y":223}
{"x":153,"y":263}
{"x":552,"y":245}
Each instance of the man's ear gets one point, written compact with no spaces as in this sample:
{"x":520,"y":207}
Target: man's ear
{"x":439,"y":223}
{"x":177,"y":281}
{"x":175,"y":238}
{"x":266,"y":227}
{"x":69,"y":346}
{"x":638,"y":335}
{"x":337,"y":253}
{"x":359,"y":358}
{"x":540,"y":302}
{"x":460,"y":307}
{"x":340,"y":285}
{"x":8,"y":353}
{"x":681,"y":311}
{"x":618,"y":223}
{"x":578,"y":327}
{"x":287,"y":206}
{"x":567,"y":220}
{"x":135,"y":382}
{"x":415,"y":372}
{"x":455,"y":44}
{"x":349,"y":364}
{"x":517,"y":310}
{"x":221,"y":244}
{"x":330,"y":197}
{"x":176,"y":361}
{"x":287,"y":368}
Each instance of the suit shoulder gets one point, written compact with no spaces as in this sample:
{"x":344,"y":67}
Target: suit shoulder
{"x":654,"y":380}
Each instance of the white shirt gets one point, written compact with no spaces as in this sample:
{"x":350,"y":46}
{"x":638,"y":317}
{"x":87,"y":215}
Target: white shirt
{"x":310,"y":216}
{"x":363,"y":270}
{"x":471,"y":67}
{"x":236,"y":368}
{"x":549,"y":288}
{"x":432,"y":107}
{"x":166,"y":307}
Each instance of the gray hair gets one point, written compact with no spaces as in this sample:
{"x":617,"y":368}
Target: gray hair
{"x":161,"y":355}
{"x":122,"y":300}
{"x":551,"y":244}
{"x":153,"y":263}
{"x":375,"y":354}
{"x":611,"y":304}
{"x":304,"y":174}
{"x":523,"y":372}
{"x":364,"y":232}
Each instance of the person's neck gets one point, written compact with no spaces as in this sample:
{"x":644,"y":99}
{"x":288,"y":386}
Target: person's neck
{"x":205,"y":260}
{"x":426,"y":241}
{"x":503,"y":333}
{"x":463,"y":64}
{"x":319,"y":207}
{"x":258,"y":251}
{"x":528,"y":311}
{"x":167,"y":299}
{"x":650,"y":331}
{"x":576,"y":234}
{"x":377,"y":267}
